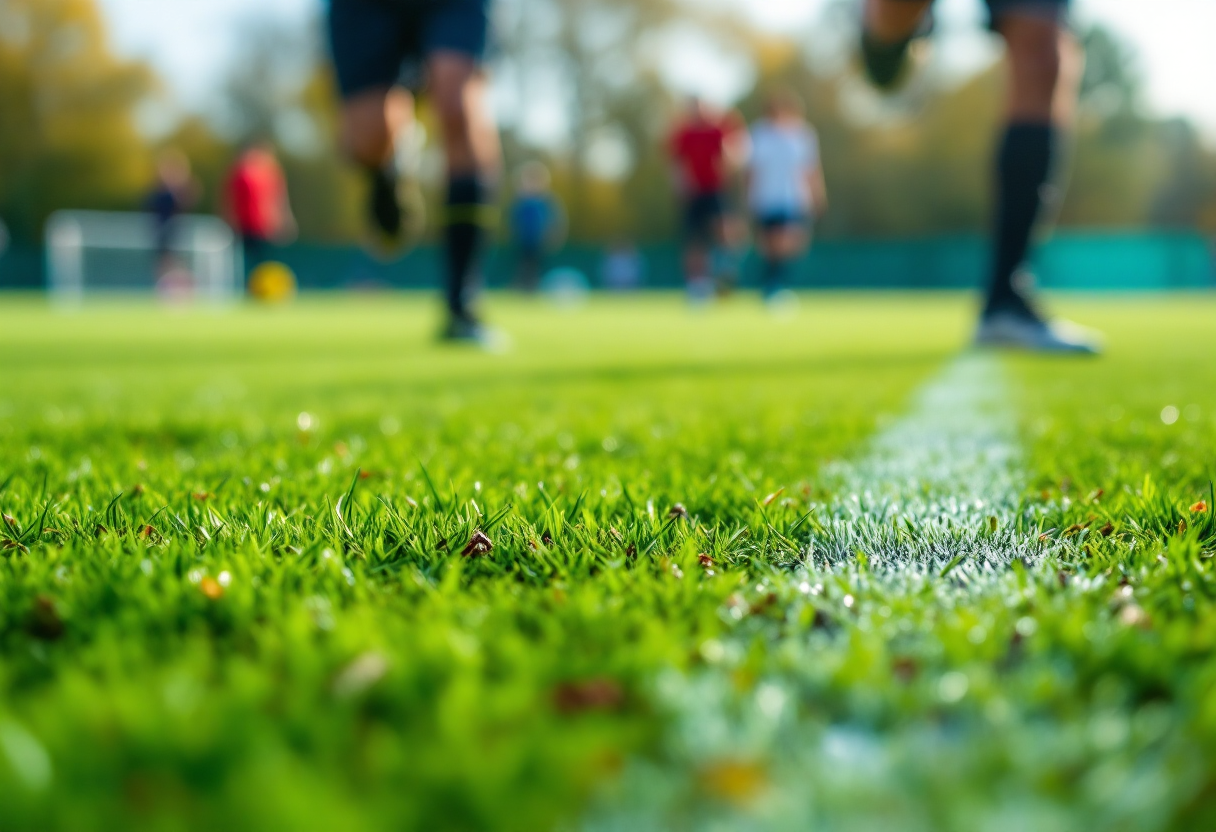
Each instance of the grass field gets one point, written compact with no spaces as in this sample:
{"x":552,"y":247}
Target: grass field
{"x":650,"y":570}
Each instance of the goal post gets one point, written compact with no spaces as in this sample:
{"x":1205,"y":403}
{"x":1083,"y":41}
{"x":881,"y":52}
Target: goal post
{"x":114,"y":253}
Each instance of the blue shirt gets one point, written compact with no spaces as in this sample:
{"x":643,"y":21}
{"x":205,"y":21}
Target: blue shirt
{"x":531,"y":219}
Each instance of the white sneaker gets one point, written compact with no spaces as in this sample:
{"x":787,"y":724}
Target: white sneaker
{"x":1027,"y":332}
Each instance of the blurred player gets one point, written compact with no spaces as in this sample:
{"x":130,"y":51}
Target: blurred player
{"x":623,"y":268}
{"x":535,"y":218}
{"x":1045,"y":65}
{"x":380,"y":47}
{"x":785,"y":187}
{"x":257,"y":202}
{"x":174,"y":192}
{"x":704,"y":147}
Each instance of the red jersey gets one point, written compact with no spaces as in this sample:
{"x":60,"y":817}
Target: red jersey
{"x":257,"y":194}
{"x":700,"y":151}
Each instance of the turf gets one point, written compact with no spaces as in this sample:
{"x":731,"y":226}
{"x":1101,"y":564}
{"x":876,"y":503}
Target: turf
{"x":301,"y":568}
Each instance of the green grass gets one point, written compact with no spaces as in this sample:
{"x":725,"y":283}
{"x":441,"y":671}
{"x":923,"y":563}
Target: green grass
{"x":233,"y":594}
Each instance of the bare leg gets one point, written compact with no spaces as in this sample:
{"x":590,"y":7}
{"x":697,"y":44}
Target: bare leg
{"x":470,"y":137}
{"x":372,"y":122}
{"x":891,"y":21}
{"x":1043,"y":68}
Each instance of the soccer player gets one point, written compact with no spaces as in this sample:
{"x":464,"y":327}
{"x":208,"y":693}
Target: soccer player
{"x":785,"y":187}
{"x":257,"y":202}
{"x":535,"y":218}
{"x":175,"y":192}
{"x":382,"y":49}
{"x":704,"y":145}
{"x":1044,"y":73}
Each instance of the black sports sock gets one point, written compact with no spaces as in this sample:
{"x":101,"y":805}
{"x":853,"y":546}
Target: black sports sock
{"x":1023,"y":167}
{"x":466,"y":215}
{"x":385,"y":208}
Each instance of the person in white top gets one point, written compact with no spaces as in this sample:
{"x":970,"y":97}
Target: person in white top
{"x":785,"y":186}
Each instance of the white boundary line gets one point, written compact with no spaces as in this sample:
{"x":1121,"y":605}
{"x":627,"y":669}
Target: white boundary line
{"x":944,"y":481}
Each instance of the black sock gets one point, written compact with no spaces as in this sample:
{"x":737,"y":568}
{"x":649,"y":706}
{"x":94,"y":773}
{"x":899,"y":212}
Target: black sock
{"x":466,"y":215}
{"x":386,"y":210}
{"x":1023,"y":167}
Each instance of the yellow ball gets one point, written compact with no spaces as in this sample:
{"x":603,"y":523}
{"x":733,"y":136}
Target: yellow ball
{"x":272,"y":282}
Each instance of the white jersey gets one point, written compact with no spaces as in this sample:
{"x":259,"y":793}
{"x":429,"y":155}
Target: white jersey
{"x":782,"y":158}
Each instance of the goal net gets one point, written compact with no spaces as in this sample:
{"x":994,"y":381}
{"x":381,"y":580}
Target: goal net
{"x":103,"y":252}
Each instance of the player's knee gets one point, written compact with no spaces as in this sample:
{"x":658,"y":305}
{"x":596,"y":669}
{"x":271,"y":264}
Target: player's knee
{"x":1036,"y":61}
{"x":453,"y":93}
{"x":365,"y":135}
{"x":453,"y":114}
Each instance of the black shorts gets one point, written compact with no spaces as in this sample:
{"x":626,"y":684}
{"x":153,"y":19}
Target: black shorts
{"x":702,"y":213}
{"x":378,"y":43}
{"x":998,"y":8}
{"x":777,"y":220}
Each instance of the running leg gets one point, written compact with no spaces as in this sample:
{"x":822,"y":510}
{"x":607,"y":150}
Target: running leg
{"x":470,"y":141}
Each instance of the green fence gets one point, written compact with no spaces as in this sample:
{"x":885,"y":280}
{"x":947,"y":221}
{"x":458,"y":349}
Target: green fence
{"x":1071,"y":261}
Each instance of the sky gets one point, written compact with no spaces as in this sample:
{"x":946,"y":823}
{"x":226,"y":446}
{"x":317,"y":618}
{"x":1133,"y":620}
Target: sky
{"x":1173,"y":39}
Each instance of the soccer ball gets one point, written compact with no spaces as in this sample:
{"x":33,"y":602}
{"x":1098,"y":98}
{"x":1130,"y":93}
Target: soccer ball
{"x":272,"y":282}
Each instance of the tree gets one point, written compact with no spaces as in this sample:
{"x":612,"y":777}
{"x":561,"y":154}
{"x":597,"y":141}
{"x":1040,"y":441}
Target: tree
{"x":593,"y":57}
{"x":281,"y":88}
{"x":69,"y":136}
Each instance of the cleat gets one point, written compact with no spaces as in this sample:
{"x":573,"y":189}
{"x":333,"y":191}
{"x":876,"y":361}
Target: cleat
{"x":1022,"y":329}
{"x":886,"y":64}
{"x":466,"y":329}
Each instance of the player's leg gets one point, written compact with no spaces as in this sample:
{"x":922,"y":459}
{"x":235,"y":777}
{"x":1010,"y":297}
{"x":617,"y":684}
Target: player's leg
{"x":254,"y":247}
{"x":372,"y":123}
{"x":1027,"y":148}
{"x":1044,"y":69}
{"x":698,"y":246}
{"x":888,"y":28}
{"x":455,"y":40}
{"x":470,"y":141}
{"x":771,"y":264}
{"x":724,"y":264}
{"x":781,"y":241}
{"x":369,"y":42}
{"x":529,"y":262}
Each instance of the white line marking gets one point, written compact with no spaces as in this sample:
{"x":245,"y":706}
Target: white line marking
{"x":944,"y":480}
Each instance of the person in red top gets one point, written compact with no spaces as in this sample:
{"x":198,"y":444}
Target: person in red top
{"x":257,"y":202}
{"x":704,"y":147}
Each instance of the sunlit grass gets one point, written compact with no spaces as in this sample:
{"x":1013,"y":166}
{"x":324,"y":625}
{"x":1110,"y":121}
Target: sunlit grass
{"x":247,"y":578}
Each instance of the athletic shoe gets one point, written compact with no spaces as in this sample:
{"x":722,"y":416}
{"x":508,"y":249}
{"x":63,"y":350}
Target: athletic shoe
{"x":1024,"y":329}
{"x":886,"y":63}
{"x":466,"y":329}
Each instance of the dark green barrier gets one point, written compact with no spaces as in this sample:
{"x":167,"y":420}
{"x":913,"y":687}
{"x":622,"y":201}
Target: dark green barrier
{"x":1073,"y":261}
{"x":1092,"y":262}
